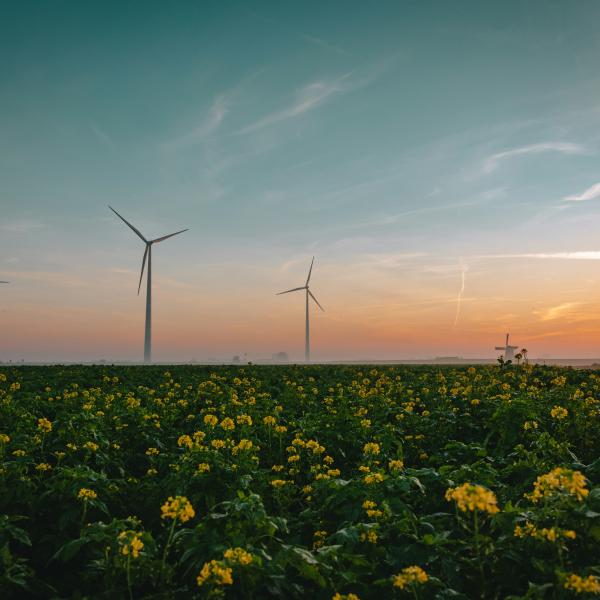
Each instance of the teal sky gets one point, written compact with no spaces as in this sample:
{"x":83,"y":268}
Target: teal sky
{"x":403,"y":143}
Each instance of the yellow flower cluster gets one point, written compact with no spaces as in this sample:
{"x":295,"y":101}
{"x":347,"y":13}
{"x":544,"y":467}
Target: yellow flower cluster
{"x":409,"y":576}
{"x":227,"y":424}
{"x":470,"y":496}
{"x":203,"y":468}
{"x":396,"y":465}
{"x":369,"y":536}
{"x":559,"y":480}
{"x":243,"y":445}
{"x":238,"y":556}
{"x":371,"y":448}
{"x":43,"y":467}
{"x":559,"y":412}
{"x":86,"y":494}
{"x":178,"y":508}
{"x":210,"y":420}
{"x":582,"y":585}
{"x":371,"y":509}
{"x":319,"y":538}
{"x":185,"y":440}
{"x":269,"y":420}
{"x":44,"y":425}
{"x":550,"y":534}
{"x":216,"y":572}
{"x":373,"y":478}
{"x":4,"y":439}
{"x":339,"y":596}
{"x":130,"y":543}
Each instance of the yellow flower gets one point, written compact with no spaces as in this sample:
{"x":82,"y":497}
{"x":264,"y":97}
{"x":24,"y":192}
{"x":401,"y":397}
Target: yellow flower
{"x":130,"y":543}
{"x":185,"y":440}
{"x":238,"y":556}
{"x":470,"y":496}
{"x":217,"y":444}
{"x":559,"y":412}
{"x":91,"y":446}
{"x":410,"y":576}
{"x":152,"y":452}
{"x":43,"y":467}
{"x":269,"y":420}
{"x":582,"y":585}
{"x":277,"y":483}
{"x":203,"y":468}
{"x":216,"y":572}
{"x":177,"y":508}
{"x":396,"y":465}
{"x":338,"y":596}
{"x":86,"y":494}
{"x":227,"y":424}
{"x":371,"y":448}
{"x":210,"y":420}
{"x":373,"y":478}
{"x":556,"y":481}
{"x":280,"y":428}
{"x":44,"y":425}
{"x":4,"y":439}
{"x":243,"y":420}
{"x":369,"y":536}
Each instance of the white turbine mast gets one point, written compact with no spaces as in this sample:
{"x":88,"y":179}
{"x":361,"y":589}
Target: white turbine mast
{"x":509,"y":351}
{"x":147,"y":255}
{"x":308,"y":293}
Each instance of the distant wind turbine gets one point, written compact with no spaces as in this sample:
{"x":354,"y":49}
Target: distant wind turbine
{"x":308,"y":293}
{"x":148,"y":255}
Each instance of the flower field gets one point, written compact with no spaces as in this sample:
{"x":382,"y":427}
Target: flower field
{"x":328,"y":482}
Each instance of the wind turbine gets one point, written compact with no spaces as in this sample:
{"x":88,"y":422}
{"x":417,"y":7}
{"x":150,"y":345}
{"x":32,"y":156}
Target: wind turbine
{"x":148,"y":255}
{"x":509,"y":351}
{"x":308,"y":293}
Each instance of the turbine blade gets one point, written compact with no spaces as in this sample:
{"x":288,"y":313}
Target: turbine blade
{"x":143,"y":266}
{"x":310,"y":270}
{"x":311,"y":295}
{"x":4,"y":281}
{"x":292,"y":290}
{"x":128,"y":224}
{"x":166,"y":237}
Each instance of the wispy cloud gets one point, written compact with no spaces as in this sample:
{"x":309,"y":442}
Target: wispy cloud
{"x":324,"y":44}
{"x":583,"y":255}
{"x":101,"y":134}
{"x":22,"y":226}
{"x":311,"y":96}
{"x":565,"y":310}
{"x":209,"y":124}
{"x":589,"y":194}
{"x":492,"y":162}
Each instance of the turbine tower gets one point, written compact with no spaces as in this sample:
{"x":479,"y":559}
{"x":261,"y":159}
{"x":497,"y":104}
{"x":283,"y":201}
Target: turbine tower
{"x":148,"y":255}
{"x":308,"y":293}
{"x":509,"y":351}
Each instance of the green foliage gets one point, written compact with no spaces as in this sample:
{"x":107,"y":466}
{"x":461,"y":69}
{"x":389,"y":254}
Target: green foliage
{"x":304,"y":480}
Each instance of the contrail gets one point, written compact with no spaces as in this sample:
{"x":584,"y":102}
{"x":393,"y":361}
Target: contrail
{"x":463,"y":273}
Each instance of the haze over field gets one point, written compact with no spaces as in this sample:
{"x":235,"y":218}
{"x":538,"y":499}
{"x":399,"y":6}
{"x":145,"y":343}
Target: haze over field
{"x":439,"y":159}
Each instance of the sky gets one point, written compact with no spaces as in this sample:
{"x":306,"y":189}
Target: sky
{"x":439,"y":159}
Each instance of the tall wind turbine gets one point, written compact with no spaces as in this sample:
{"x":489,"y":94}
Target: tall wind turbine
{"x":308,"y":293}
{"x":148,"y":255}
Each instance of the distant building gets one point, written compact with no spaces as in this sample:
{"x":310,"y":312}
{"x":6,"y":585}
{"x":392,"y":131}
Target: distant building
{"x":236,"y":359}
{"x":280,"y":357}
